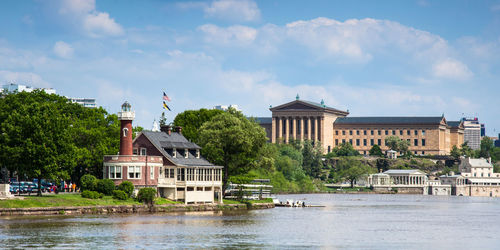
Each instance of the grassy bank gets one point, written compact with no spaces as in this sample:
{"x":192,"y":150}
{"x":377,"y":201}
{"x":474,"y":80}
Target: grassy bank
{"x":72,"y":200}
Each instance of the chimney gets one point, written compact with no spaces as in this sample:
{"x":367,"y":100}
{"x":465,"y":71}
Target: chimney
{"x":166,"y":129}
{"x":178,"y":129}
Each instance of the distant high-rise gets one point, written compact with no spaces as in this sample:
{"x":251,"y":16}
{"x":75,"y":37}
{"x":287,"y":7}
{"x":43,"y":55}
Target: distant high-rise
{"x":483,"y":130}
{"x":472,"y":132}
{"x":13,"y":87}
{"x":86,"y":102}
{"x":225,"y":108}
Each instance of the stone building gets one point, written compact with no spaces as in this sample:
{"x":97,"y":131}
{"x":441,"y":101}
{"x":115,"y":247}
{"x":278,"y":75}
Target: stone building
{"x":164,"y":160}
{"x":305,"y":120}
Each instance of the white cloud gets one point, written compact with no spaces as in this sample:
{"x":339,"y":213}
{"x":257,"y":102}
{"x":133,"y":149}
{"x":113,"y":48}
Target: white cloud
{"x":63,"y":50}
{"x":235,"y":10}
{"x":83,"y":15}
{"x":24,"y":78}
{"x":100,"y":24}
{"x":451,"y":69}
{"x":233,"y":35}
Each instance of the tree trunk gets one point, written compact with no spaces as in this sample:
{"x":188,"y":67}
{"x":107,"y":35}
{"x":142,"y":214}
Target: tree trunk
{"x":352,"y":183}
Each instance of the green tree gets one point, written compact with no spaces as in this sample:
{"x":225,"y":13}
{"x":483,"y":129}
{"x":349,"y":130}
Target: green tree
{"x":376,"y":151}
{"x":487,"y":147}
{"x":351,"y":169}
{"x":455,"y":152}
{"x":397,"y":144}
{"x":35,"y":135}
{"x":192,"y":120}
{"x":344,"y":149}
{"x":465,"y":150}
{"x":312,"y":155}
{"x":163,"y":119}
{"x":231,"y":140}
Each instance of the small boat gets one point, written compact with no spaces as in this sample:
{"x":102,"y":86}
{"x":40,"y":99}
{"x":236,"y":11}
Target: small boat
{"x":292,"y":203}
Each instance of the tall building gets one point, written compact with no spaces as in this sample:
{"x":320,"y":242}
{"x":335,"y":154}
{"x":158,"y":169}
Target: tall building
{"x":225,"y":107}
{"x":472,"y":132}
{"x":305,"y":120}
{"x":86,"y":102}
{"x":13,"y":87}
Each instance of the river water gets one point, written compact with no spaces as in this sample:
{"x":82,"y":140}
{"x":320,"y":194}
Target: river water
{"x":366,"y":221}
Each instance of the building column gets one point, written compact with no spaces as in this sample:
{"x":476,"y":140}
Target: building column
{"x":301,"y":128}
{"x":316,"y":129}
{"x":294,"y":128}
{"x":273,"y":130}
{"x":287,"y":129}
{"x":309,"y":130}
{"x":280,"y":129}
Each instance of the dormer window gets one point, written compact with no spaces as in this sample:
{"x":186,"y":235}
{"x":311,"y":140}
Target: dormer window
{"x":174,"y":153}
{"x":186,"y":153}
{"x":198,"y":153}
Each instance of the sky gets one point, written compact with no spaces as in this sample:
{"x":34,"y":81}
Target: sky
{"x":372,"y":58}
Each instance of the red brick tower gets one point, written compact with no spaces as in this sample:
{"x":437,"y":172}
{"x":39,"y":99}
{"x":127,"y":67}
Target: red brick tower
{"x":126,"y":116}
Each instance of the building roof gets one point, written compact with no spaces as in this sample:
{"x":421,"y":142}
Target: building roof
{"x":263,"y":120}
{"x":403,"y":171}
{"x":390,"y":120}
{"x":162,"y":140}
{"x":454,"y":124}
{"x":301,"y":105}
{"x":481,"y":162}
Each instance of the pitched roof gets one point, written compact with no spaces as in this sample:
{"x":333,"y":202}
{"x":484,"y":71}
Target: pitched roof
{"x":454,"y":124}
{"x":481,"y":162}
{"x":162,"y":140}
{"x":403,"y":171}
{"x":301,"y":105}
{"x":390,"y":120}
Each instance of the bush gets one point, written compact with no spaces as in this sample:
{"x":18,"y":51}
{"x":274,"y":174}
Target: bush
{"x":120,"y":195}
{"x":126,"y":187}
{"x":146,"y":195}
{"x":105,"y":186}
{"x":91,"y":194}
{"x":88,"y":182}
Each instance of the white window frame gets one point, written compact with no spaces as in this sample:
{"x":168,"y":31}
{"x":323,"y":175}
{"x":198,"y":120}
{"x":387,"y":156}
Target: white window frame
{"x":125,"y":132}
{"x":186,"y":153}
{"x":152,"y":172}
{"x":113,"y":171}
{"x":143,"y":151}
{"x":136,"y":170}
{"x":174,"y":152}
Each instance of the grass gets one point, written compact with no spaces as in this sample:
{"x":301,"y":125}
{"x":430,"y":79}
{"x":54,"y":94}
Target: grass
{"x":266,"y":200}
{"x":227,"y":202}
{"x":63,"y":200}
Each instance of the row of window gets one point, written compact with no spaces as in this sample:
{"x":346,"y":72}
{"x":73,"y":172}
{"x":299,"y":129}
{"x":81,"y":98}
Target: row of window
{"x":134,"y":172}
{"x":175,"y":153}
{"x":193,"y":174}
{"x":379,"y":132}
{"x":379,"y":142}
{"x":366,"y":152}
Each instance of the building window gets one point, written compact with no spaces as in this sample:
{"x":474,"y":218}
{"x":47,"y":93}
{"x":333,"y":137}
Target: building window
{"x":198,"y":153}
{"x":343,"y":140}
{"x":400,"y":132}
{"x":415,"y":142}
{"x":394,"y":132}
{"x":174,"y":152}
{"x":357,"y":142}
{"x":357,"y":132}
{"x":416,"y":132}
{"x":415,"y":152}
{"x":379,"y":132}
{"x":423,"y":142}
{"x":387,"y":132}
{"x":350,"y":132}
{"x":152,"y":172}
{"x":336,"y":142}
{"x":423,"y":132}
{"x":329,"y":149}
{"x":115,"y":172}
{"x":134,"y":151}
{"x":336,"y":132}
{"x":423,"y":152}
{"x":407,"y":132}
{"x":343,"y":132}
{"x":371,"y":132}
{"x":125,"y":132}
{"x":170,"y":173}
{"x":350,"y":141}
{"x":379,"y":142}
{"x":372,"y":141}
{"x":180,"y":174}
{"x":186,"y":153}
{"x":143,"y":151}
{"x":364,"y":142}
{"x":364,"y":132}
{"x":134,"y":172}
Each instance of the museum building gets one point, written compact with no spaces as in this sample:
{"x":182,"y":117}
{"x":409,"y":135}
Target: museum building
{"x":306,"y":120}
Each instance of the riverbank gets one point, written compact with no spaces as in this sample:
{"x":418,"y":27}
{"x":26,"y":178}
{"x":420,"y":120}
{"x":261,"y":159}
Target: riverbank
{"x":75,"y":204}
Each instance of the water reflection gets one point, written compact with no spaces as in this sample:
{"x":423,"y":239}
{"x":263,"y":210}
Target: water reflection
{"x":346,"y":221}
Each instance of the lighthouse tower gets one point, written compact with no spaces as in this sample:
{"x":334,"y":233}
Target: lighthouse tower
{"x":126,"y":116}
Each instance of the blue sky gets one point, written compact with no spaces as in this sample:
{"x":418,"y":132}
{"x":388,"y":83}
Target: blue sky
{"x":374,"y":58}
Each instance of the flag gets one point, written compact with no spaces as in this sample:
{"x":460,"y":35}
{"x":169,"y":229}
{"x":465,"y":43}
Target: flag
{"x":165,"y":106}
{"x":165,"y":97}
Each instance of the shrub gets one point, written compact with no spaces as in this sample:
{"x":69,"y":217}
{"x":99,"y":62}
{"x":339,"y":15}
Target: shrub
{"x":146,"y":195}
{"x":119,"y":195}
{"x":105,"y":186}
{"x":91,"y":194}
{"x":126,"y":187}
{"x":88,"y":182}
